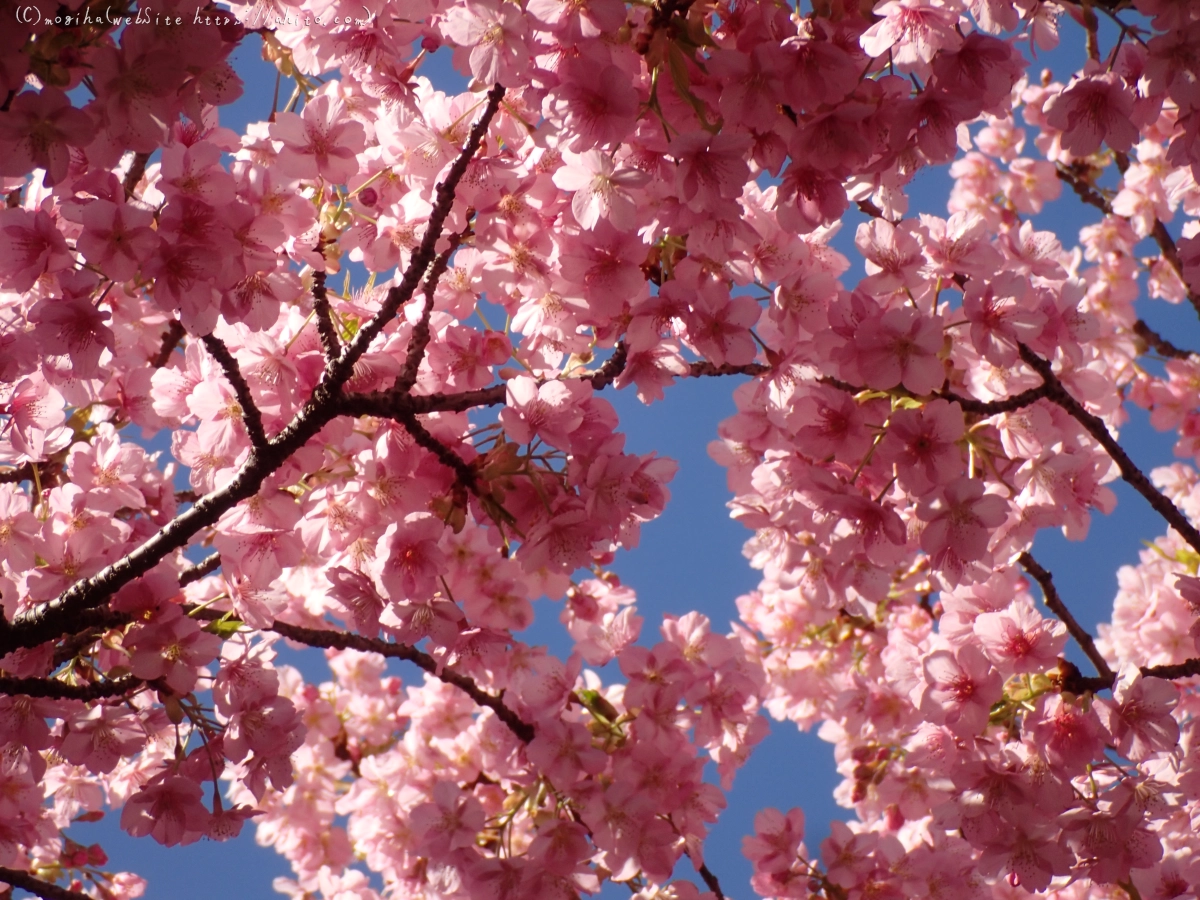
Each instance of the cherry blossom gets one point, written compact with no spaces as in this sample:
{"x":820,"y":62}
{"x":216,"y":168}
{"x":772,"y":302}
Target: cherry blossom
{"x":341,"y":386}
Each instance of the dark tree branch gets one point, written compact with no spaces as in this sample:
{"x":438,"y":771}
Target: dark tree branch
{"x":705,"y":368}
{"x":43,"y":889}
{"x":60,"y":616}
{"x":418,"y":342}
{"x":137,"y":169}
{"x":315,"y":637}
{"x":251,"y":416}
{"x":170,"y":340}
{"x":711,"y":880}
{"x":60,"y":690}
{"x":1075,"y":682}
{"x":1170,"y":253}
{"x":206,"y":566}
{"x":1160,"y":344}
{"x":23,"y":472}
{"x":1055,"y":604}
{"x":1185,"y":669}
{"x":329,"y":339}
{"x":1074,"y":176}
{"x":969,"y":404}
{"x":994,"y":407}
{"x":447,"y":457}
{"x":1095,"y":426}
{"x":338,"y":372}
{"x":610,"y":370}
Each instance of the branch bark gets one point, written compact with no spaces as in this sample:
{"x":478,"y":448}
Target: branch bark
{"x":314,"y":637}
{"x":1166,"y":244}
{"x":44,"y":889}
{"x":1095,"y":426}
{"x":1159,"y":343}
{"x":329,"y":339}
{"x":170,"y":340}
{"x":1055,"y":604}
{"x":60,"y":690}
{"x":251,"y":415}
{"x":419,"y":341}
{"x":206,"y":566}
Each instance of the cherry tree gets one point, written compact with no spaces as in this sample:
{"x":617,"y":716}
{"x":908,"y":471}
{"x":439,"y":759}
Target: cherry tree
{"x":380,"y":329}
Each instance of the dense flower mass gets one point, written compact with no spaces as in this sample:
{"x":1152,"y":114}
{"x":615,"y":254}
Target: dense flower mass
{"x":320,"y":316}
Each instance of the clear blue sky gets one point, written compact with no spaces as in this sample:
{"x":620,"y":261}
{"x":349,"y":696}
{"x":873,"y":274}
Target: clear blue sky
{"x":691,"y":558}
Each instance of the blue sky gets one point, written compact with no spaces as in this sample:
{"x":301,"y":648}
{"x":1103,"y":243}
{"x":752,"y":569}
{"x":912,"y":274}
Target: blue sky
{"x":690,"y":558}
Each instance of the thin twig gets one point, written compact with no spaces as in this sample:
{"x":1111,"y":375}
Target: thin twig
{"x":418,"y":342}
{"x":251,"y":415}
{"x":968,"y":404}
{"x":1095,"y":426}
{"x":711,"y":880}
{"x":1055,"y":604}
{"x":995,"y":407}
{"x":338,"y":372}
{"x":445,"y":455}
{"x":1088,"y":194}
{"x":1160,"y":344}
{"x":1166,"y":244}
{"x":315,"y":637}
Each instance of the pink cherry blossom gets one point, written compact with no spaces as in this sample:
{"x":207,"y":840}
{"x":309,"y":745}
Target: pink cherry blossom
{"x":38,"y":131}
{"x":1018,"y":640}
{"x":170,"y":811}
{"x":1092,"y":111}
{"x":321,"y":141}
{"x":550,"y":411}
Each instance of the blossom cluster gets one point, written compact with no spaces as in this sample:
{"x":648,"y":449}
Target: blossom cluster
{"x":634,"y":194}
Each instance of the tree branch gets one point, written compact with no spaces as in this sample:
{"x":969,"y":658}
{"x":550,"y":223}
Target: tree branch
{"x":251,"y":416}
{"x":137,"y":168}
{"x":418,"y":342}
{"x":23,"y":472}
{"x":1160,"y":344}
{"x":711,"y":880}
{"x":44,"y":889}
{"x":445,"y":455}
{"x":1170,"y":253}
{"x":1055,"y":604}
{"x":1073,"y":176}
{"x":170,"y":340}
{"x":706,"y":369}
{"x":315,"y":637}
{"x":610,"y":369}
{"x":1185,"y":669}
{"x":338,"y":372}
{"x":60,"y":690}
{"x":1095,"y":426}
{"x":329,"y":339}
{"x":995,"y":407}
{"x":969,"y":404}
{"x":206,"y":566}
